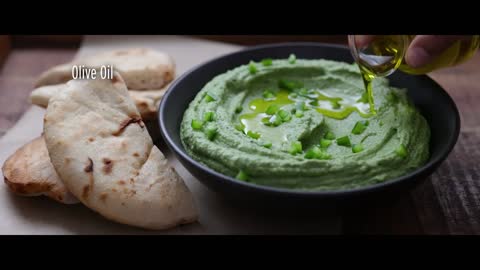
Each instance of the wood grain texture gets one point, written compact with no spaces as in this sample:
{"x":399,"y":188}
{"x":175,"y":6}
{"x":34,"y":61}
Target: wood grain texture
{"x":5,"y":46}
{"x":448,"y":202}
{"x":457,"y":182}
{"x":457,"y":186}
{"x":17,"y":77}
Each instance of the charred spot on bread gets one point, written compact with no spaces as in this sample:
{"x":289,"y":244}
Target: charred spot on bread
{"x":89,"y":167}
{"x":125,"y":123}
{"x":107,"y":165}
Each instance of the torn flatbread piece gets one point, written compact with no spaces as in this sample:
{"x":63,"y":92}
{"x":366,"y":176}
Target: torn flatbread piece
{"x":100,"y":148}
{"x":29,"y":172}
{"x":147,"y":101}
{"x":141,"y":68}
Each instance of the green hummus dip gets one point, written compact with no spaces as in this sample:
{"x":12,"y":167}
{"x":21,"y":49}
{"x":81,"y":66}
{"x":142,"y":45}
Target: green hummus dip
{"x":304,"y":124}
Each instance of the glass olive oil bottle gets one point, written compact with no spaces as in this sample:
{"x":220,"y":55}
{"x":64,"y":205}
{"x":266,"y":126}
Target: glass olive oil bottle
{"x":381,"y":55}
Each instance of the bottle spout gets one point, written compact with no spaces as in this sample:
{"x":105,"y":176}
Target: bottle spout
{"x":378,"y":56}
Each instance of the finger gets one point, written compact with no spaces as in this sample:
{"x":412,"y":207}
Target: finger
{"x":425,"y":48}
{"x":363,"y":40}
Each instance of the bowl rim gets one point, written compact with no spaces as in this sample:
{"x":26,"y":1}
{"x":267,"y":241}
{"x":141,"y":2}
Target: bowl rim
{"x":431,"y":164}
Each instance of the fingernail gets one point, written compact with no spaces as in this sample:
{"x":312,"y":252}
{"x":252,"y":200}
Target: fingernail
{"x":417,"y":57}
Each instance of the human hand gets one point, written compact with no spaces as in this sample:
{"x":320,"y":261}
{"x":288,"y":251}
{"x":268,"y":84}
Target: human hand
{"x":425,"y":48}
{"x":422,"y":50}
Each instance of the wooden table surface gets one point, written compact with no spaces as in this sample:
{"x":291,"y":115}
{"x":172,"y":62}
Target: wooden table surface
{"x":447,"y":203}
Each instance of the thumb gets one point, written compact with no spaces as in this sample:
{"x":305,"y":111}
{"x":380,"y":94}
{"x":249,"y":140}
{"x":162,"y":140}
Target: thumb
{"x":363,"y":40}
{"x":425,"y":48}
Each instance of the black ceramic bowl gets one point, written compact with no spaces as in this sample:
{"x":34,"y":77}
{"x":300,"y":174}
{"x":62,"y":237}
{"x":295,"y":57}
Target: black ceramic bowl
{"x":433,"y":102}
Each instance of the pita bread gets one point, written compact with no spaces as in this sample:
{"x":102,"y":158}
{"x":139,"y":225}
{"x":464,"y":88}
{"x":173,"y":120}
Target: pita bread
{"x":55,"y":75}
{"x":147,"y":101}
{"x":102,"y":151}
{"x":142,"y":69}
{"x":29,"y":172}
{"x":41,"y":95}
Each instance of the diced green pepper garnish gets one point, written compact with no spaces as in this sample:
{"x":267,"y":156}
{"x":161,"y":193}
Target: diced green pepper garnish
{"x":344,"y":141}
{"x":325,"y":156}
{"x":240,"y":127}
{"x":289,"y":85}
{"x":253,"y":134}
{"x":316,"y":153}
{"x":276,"y":120}
{"x":267,"y":62}
{"x":401,"y":151}
{"x":329,"y":135}
{"x":266,"y":121}
{"x":197,"y":124}
{"x":210,"y":98}
{"x":303,"y":92}
{"x":360,"y":127}
{"x":267,"y":145}
{"x":313,"y":153}
{"x":293,"y":95}
{"x":242,"y":176}
{"x":252,"y":67}
{"x":292,"y":59}
{"x":335,"y":104}
{"x":295,"y":148}
{"x":299,"y":114}
{"x":208,"y":116}
{"x":268,"y":94}
{"x":272,"y":109}
{"x":357,"y":148}
{"x":300,"y":105}
{"x":314,"y":103}
{"x":324,"y":143}
{"x":238,"y":109}
{"x":284,"y":115}
{"x":211,"y":133}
